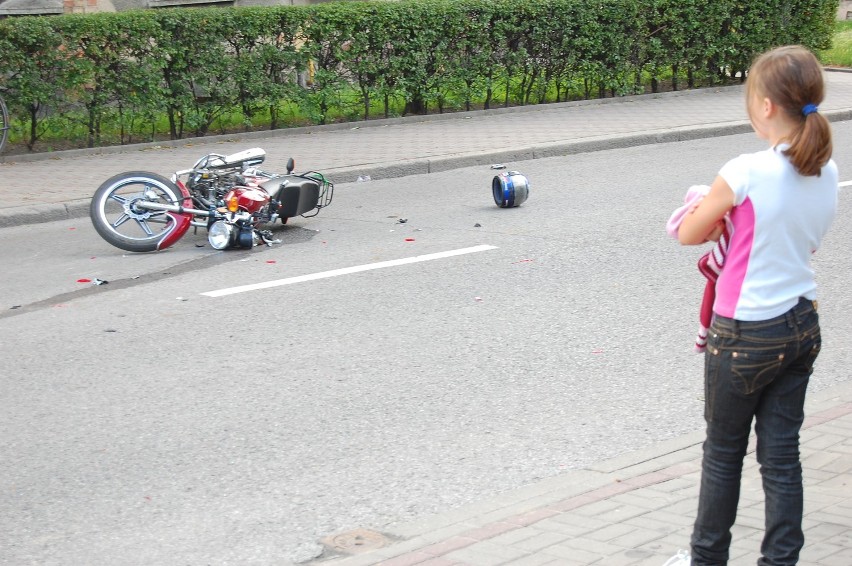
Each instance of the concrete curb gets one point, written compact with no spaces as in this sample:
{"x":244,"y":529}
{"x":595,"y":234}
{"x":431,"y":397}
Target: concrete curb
{"x":630,"y":471}
{"x":290,"y":132}
{"x":25,"y":215}
{"x":377,"y":123}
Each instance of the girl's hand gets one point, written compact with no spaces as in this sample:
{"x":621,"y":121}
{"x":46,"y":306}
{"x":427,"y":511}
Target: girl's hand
{"x":717,"y":232}
{"x":705,"y":223}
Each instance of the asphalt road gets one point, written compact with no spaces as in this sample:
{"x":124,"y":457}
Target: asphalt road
{"x":145,"y":423}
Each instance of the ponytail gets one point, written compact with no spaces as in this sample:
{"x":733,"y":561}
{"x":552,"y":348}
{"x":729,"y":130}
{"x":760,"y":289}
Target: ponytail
{"x":792,"y":78}
{"x":810,"y":147}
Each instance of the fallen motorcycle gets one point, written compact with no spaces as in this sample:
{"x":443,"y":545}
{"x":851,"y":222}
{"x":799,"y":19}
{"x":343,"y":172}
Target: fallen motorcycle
{"x":228,"y":195}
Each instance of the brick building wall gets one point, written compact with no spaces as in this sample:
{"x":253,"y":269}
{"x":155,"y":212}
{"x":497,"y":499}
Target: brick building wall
{"x":86,"y":6}
{"x":46,"y":7}
{"x":844,"y":12}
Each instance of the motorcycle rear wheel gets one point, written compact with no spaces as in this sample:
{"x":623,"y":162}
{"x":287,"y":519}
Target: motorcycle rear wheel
{"x":126,"y":226}
{"x":4,"y":123}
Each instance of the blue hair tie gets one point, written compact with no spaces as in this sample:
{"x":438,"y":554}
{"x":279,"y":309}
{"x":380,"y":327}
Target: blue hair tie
{"x":809,"y":109}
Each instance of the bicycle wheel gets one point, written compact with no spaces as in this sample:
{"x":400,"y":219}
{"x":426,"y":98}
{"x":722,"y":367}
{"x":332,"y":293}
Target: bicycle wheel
{"x":4,"y":123}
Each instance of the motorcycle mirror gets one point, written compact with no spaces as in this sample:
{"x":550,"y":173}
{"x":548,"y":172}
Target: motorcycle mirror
{"x":290,"y":165}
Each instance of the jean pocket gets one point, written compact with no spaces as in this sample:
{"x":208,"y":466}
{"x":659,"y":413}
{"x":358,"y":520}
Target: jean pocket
{"x":752,"y":370}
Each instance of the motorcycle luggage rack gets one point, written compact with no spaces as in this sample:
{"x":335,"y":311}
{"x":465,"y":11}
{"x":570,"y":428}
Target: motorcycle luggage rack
{"x":326,"y":193}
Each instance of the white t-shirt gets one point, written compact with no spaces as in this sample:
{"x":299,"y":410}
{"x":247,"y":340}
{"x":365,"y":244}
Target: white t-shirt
{"x":779,"y":219}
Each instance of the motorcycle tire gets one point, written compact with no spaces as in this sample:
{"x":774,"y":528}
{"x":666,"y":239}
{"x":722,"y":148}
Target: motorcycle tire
{"x":135,"y":229}
{"x":4,"y":123}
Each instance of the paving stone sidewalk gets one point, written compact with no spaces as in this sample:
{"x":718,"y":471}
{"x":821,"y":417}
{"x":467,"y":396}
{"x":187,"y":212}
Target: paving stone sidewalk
{"x":637,"y":509}
{"x":398,"y":147}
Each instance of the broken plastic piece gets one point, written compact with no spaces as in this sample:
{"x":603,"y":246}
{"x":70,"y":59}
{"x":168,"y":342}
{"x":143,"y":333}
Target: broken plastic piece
{"x":99,"y":282}
{"x":84,"y":280}
{"x":498,"y":166}
{"x":267,"y":237}
{"x":363,"y":179}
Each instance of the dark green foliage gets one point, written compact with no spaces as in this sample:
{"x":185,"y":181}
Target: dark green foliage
{"x":350,"y":60}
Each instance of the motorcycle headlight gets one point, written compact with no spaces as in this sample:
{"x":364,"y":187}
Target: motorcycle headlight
{"x":221,"y":235}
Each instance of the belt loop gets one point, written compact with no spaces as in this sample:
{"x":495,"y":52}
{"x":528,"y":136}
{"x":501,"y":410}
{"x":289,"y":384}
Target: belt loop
{"x":792,"y":316}
{"x":804,"y":310}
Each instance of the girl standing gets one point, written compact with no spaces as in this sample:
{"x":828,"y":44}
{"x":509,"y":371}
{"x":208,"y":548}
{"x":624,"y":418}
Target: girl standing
{"x":765,"y":332}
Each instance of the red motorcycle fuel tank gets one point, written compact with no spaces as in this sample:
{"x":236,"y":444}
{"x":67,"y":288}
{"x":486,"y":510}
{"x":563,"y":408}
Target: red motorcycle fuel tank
{"x":250,"y":199}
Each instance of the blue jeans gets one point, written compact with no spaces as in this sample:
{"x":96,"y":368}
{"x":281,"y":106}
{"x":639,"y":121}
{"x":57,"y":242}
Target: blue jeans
{"x":755,"y":369}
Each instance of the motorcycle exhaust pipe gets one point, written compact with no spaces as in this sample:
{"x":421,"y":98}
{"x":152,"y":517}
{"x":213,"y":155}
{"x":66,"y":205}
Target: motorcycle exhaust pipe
{"x":221,"y":234}
{"x":171,"y":208}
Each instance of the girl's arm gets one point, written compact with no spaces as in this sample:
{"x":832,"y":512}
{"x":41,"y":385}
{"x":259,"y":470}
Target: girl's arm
{"x":705,"y":222}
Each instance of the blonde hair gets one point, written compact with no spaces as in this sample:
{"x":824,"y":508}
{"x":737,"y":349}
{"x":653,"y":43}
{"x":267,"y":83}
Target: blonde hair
{"x":792,"y":78}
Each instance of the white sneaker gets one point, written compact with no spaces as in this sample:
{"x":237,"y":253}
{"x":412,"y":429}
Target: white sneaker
{"x":680,"y":559}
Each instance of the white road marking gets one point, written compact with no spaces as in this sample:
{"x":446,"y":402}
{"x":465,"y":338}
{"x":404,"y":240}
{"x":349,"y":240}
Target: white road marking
{"x":347,"y":271}
{"x":366,"y":267}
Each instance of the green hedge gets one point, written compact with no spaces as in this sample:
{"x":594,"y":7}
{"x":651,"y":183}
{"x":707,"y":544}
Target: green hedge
{"x":175,"y":72}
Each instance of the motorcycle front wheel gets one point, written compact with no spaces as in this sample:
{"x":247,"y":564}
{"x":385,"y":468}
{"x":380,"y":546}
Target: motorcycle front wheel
{"x":122,"y":223}
{"x":4,"y":123}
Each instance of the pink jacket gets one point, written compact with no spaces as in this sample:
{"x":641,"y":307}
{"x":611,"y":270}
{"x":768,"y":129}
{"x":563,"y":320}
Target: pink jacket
{"x":710,"y":264}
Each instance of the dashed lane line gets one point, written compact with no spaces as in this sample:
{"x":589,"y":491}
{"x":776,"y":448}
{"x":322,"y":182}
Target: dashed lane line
{"x":346,"y":271}
{"x":361,"y":268}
